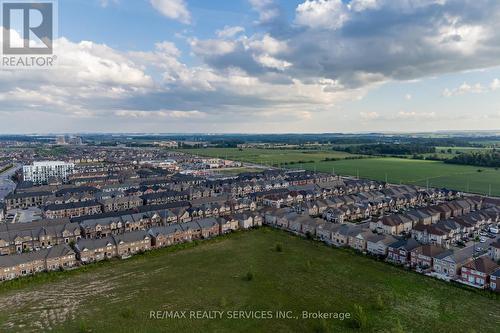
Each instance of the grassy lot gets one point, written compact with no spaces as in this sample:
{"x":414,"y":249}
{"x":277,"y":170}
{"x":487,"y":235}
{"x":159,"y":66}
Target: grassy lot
{"x":269,"y":156}
{"x":408,"y":171}
{"x":305,"y":276}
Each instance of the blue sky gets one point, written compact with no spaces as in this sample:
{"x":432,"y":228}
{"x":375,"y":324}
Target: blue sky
{"x":263,"y":66}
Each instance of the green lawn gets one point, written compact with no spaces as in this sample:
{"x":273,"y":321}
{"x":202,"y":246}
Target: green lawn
{"x":408,"y":171}
{"x":306,"y":276}
{"x":269,"y":156}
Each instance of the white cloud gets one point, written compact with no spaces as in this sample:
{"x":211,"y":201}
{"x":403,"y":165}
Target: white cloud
{"x":106,"y":3}
{"x":369,"y":115}
{"x":415,"y":115}
{"x":212,"y":46}
{"x":267,"y":10}
{"x":330,"y":14}
{"x":229,"y":32}
{"x":173,"y":9}
{"x":495,"y":84}
{"x":174,"y":114}
{"x":360,"y":5}
{"x":458,"y":37}
{"x":465,"y":88}
{"x":408,"y":97}
{"x":271,"y":62}
{"x":267,"y":44}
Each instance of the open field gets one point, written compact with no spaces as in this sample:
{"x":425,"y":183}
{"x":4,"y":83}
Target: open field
{"x":398,"y":170}
{"x":417,"y":172}
{"x":118,"y":296}
{"x":269,"y":156}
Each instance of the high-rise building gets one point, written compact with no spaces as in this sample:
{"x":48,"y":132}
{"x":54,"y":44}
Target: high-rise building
{"x":60,"y":140}
{"x":41,"y":172}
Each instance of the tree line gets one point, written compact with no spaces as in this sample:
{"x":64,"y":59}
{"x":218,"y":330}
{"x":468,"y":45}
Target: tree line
{"x":486,"y":159}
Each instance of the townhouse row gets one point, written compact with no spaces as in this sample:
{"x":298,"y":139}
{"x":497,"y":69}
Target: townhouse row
{"x":62,"y":256}
{"x":466,"y":265}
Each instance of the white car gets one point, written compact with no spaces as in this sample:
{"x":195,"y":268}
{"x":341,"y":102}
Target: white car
{"x":494,"y":230}
{"x":482,"y":240}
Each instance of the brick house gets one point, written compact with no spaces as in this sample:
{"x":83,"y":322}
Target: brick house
{"x":57,"y":257}
{"x":422,"y":257}
{"x":130,"y":243}
{"x":91,"y":250}
{"x":192,"y":231}
{"x":166,"y":235}
{"x":209,"y":227}
{"x":399,"y":251}
{"x":477,"y":272}
{"x":495,"y":281}
{"x":72,"y":209}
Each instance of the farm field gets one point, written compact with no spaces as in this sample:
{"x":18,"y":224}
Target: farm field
{"x":118,"y":296}
{"x":398,"y":170}
{"x":416,"y":172}
{"x":269,"y":156}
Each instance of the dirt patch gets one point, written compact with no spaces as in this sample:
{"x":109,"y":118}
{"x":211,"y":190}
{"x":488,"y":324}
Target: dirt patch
{"x":50,"y":305}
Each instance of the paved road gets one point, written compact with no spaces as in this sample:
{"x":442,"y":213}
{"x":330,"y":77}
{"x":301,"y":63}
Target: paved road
{"x":484,"y":246}
{"x":6,"y":184}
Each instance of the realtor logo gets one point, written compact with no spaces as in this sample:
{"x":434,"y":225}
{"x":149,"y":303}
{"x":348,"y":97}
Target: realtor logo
{"x":28,"y":29}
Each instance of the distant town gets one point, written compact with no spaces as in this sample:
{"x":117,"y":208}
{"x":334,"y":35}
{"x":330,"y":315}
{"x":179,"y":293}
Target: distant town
{"x":68,"y":202}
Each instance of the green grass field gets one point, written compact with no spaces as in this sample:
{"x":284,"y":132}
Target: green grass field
{"x":417,"y":172}
{"x":398,"y":170}
{"x":269,"y":156}
{"x":306,"y":276}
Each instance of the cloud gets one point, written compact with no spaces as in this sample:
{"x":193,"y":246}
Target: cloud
{"x":327,"y":54}
{"x":360,"y":5}
{"x":476,"y":88}
{"x":408,"y":97}
{"x":329,"y":14}
{"x":369,"y":115}
{"x":106,"y":3}
{"x":495,"y":84}
{"x":173,"y":9}
{"x":229,"y":32}
{"x":414,"y":115}
{"x":212,"y":47}
{"x":174,"y":114}
{"x":271,"y":62}
{"x":367,"y":42}
{"x":267,"y":9}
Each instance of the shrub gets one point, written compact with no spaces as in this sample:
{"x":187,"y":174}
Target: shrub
{"x":279,"y":248}
{"x":249,"y":276}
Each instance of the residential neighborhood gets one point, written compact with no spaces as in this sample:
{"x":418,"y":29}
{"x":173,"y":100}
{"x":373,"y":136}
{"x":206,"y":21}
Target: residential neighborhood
{"x":95,"y":211}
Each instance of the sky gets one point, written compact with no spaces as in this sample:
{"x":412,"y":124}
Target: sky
{"x":263,"y":66}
